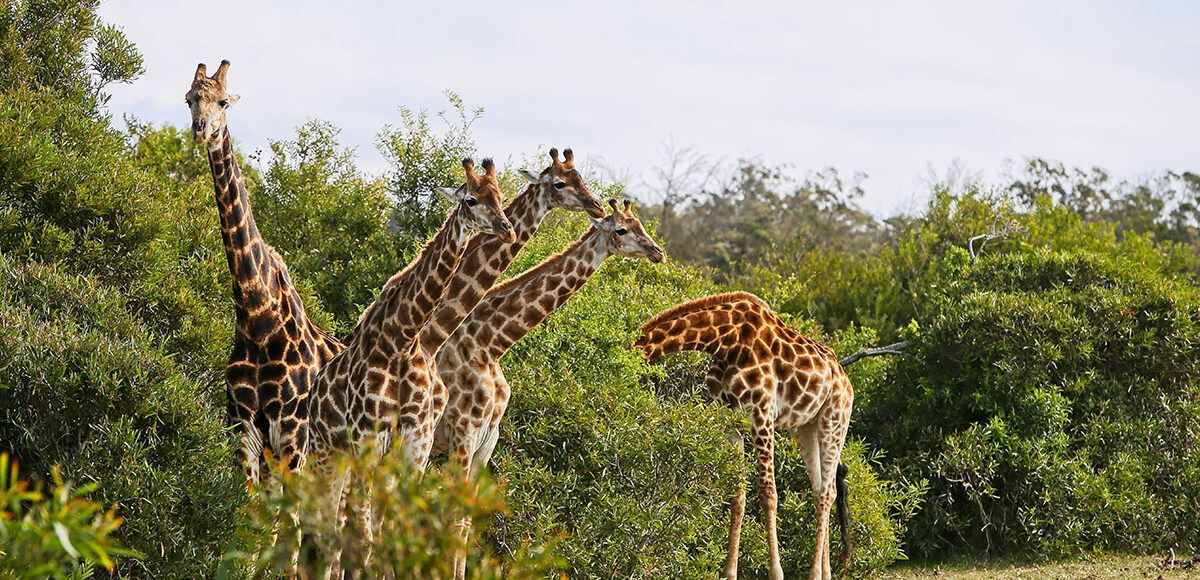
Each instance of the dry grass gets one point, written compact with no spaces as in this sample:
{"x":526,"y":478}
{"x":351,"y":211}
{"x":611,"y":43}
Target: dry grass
{"x":1090,"y":568}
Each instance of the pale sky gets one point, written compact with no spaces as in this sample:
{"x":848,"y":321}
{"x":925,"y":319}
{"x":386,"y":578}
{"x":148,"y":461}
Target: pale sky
{"x":889,"y":89}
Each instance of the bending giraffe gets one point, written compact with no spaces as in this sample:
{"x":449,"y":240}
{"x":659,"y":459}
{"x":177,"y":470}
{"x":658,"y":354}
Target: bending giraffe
{"x":469,"y":361}
{"x":786,"y":382}
{"x":277,"y":350}
{"x":378,"y":389}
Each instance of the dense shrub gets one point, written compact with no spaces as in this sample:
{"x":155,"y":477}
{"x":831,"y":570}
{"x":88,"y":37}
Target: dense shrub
{"x":330,"y":223}
{"x":1051,"y":405}
{"x":415,"y":517}
{"x":86,"y":386}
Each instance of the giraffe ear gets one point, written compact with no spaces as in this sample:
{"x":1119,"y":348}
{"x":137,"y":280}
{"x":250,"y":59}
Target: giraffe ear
{"x":598,"y":223}
{"x":450,"y":193}
{"x":233,"y":99}
{"x":530,"y":176}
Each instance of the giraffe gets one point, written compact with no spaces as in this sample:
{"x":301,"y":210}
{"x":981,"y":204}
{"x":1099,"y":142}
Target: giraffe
{"x":469,"y":361}
{"x":277,"y":350}
{"x":378,"y":389}
{"x":785,"y":381}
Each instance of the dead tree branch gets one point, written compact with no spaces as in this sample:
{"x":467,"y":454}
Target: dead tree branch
{"x":866,"y":352}
{"x":985,"y":238}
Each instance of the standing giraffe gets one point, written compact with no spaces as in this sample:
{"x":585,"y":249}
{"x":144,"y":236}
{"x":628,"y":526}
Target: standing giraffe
{"x":469,"y":361}
{"x":785,"y":381}
{"x":378,"y":389}
{"x":277,"y":350}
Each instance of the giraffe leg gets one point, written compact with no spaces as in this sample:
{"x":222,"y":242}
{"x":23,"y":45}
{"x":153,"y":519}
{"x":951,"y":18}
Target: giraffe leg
{"x":737,"y":509}
{"x":834,"y":423}
{"x":480,"y":458}
{"x":289,"y":458}
{"x":764,"y":447}
{"x":332,"y":565}
{"x":250,"y":453}
{"x":809,"y":439}
{"x":461,"y":450}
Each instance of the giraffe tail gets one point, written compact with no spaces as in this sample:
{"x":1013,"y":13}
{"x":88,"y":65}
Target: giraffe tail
{"x":843,"y":517}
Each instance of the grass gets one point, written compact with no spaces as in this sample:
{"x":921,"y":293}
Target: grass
{"x":1110,"y":567}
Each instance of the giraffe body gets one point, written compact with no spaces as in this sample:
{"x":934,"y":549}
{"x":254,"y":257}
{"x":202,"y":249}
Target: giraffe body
{"x":277,"y":350}
{"x":784,"y":381}
{"x":469,"y":361}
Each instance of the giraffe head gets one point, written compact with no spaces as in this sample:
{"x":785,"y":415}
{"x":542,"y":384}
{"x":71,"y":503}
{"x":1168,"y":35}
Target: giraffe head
{"x":208,"y":100}
{"x":625,"y":234}
{"x":562,"y":184}
{"x":480,"y":201}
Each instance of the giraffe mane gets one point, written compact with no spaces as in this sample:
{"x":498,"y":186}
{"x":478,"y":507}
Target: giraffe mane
{"x":701,"y":304}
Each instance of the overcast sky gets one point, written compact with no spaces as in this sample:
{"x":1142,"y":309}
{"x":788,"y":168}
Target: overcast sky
{"x":890,"y":89}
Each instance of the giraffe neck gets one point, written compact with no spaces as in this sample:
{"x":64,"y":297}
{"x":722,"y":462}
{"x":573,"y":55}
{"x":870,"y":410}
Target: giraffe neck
{"x":518,"y":305}
{"x":484,"y":260}
{"x":250,"y":260}
{"x":409,"y":297}
{"x":715,"y":330}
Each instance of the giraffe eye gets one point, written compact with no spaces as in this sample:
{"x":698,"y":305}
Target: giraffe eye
{"x":188,"y":101}
{"x":621,"y":231}
{"x":559,"y":184}
{"x":471,"y":202}
{"x":224,"y":103}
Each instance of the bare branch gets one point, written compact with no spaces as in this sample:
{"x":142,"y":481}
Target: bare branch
{"x":866,"y":352}
{"x":681,"y":174}
{"x":995,"y":233}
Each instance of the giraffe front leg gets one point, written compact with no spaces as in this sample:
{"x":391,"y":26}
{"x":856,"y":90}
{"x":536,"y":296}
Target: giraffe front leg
{"x":462,"y":450}
{"x":463,"y":532}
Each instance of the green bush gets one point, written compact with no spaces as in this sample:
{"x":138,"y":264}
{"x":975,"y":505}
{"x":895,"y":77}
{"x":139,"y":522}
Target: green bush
{"x":417,"y":524}
{"x":1051,"y":405}
{"x":85,"y":385}
{"x":330,"y":223}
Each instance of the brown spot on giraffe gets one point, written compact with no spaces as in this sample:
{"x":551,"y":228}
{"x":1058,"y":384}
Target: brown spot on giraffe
{"x":785,"y":381}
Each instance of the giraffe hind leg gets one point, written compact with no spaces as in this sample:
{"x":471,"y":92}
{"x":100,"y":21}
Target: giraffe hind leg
{"x":833,"y":423}
{"x":764,"y":447}
{"x":737,"y":510}
{"x":809,"y":439}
